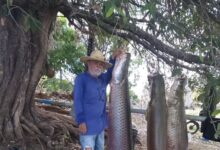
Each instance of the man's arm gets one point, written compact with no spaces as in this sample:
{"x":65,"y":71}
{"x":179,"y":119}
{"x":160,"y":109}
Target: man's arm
{"x":78,"y":105}
{"x":108,"y":74}
{"x":78,"y":99}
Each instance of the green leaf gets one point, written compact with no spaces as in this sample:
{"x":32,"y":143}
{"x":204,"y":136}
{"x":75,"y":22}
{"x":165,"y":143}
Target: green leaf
{"x":121,"y":12}
{"x":176,"y":71}
{"x":216,"y":112}
{"x":117,"y":3}
{"x":145,"y":7}
{"x":110,"y":11}
{"x":106,"y":6}
{"x":201,"y":58}
{"x":152,"y":8}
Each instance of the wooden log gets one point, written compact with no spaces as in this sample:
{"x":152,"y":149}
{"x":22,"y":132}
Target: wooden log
{"x":133,"y":110}
{"x":54,"y":109}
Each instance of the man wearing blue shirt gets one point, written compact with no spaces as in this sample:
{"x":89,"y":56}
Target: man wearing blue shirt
{"x":90,"y":99}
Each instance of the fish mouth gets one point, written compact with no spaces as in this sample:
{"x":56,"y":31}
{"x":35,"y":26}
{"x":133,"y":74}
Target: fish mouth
{"x":120,"y":72}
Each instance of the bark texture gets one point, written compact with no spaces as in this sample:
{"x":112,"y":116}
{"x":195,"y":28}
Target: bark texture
{"x":24,"y":36}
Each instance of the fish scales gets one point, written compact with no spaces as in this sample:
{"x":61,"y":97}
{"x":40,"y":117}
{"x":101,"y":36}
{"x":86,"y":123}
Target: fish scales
{"x":120,"y":133}
{"x":177,"y":130}
{"x":157,"y":114}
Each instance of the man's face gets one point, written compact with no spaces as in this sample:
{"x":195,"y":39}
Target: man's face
{"x":95,"y":68}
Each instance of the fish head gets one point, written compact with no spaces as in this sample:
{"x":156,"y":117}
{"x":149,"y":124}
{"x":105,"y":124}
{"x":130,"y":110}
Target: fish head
{"x":121,"y":68}
{"x":176,"y":90}
{"x":179,"y":83}
{"x":156,"y":81}
{"x":157,"y":86}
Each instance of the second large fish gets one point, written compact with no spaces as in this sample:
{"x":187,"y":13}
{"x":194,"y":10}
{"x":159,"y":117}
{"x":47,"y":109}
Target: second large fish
{"x":119,"y":131}
{"x":157,"y":114}
{"x":177,"y":131}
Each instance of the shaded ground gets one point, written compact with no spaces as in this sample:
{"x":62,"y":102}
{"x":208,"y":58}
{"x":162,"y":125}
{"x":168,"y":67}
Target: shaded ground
{"x":196,"y":142}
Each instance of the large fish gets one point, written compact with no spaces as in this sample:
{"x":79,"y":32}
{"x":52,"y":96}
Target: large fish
{"x":177,"y":131}
{"x":119,"y":132}
{"x":157,"y":114}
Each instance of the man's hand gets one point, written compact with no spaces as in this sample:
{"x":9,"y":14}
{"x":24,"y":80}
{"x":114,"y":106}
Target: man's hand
{"x":117,"y":52}
{"x":83,"y":128}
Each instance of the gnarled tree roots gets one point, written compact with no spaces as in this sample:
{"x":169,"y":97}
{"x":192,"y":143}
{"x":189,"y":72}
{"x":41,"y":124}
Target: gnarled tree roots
{"x":50,"y":131}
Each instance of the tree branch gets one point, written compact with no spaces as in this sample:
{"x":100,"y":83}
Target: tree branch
{"x":142,"y":37}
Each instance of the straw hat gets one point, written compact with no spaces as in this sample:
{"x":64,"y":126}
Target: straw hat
{"x":97,"y":56}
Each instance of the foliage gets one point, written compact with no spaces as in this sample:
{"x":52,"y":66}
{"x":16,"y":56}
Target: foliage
{"x":208,"y":93}
{"x":216,"y":112}
{"x":50,"y":85}
{"x":177,"y":19}
{"x":67,"y":50}
{"x":176,"y":71}
{"x":188,"y":27}
{"x":133,"y":97}
{"x":134,"y":64}
{"x":64,"y":57}
{"x":115,"y":6}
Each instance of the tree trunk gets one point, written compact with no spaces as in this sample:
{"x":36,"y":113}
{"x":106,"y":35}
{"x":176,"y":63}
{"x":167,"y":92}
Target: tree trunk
{"x":23,"y":51}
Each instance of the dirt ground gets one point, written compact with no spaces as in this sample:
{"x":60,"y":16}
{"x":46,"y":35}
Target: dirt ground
{"x":196,"y":142}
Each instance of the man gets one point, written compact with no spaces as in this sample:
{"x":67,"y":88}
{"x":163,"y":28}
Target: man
{"x":90,"y":99}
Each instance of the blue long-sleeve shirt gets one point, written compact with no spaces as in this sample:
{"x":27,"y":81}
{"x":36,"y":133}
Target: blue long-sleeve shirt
{"x":90,"y":100}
